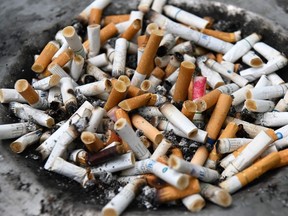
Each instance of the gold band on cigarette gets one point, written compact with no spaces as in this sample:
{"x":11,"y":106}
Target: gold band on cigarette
{"x":150,"y":52}
{"x":27,"y":91}
{"x":117,"y":94}
{"x":135,"y":102}
{"x":149,"y":130}
{"x":115,"y":19}
{"x":188,"y":109}
{"x":226,"y":36}
{"x":132,"y":30}
{"x":95,"y":16}
{"x":208,"y":100}
{"x":45,"y":57}
{"x":91,"y":141}
{"x":181,"y":89}
{"x":170,"y":193}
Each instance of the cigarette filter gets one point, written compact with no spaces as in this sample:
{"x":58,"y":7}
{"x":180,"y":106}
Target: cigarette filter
{"x":120,"y":202}
{"x":231,"y":37}
{"x":95,"y":88}
{"x":240,"y":95}
{"x":135,"y":102}
{"x":251,"y":59}
{"x":216,"y":195}
{"x":158,"y":5}
{"x":95,"y":16}
{"x":10,"y":95}
{"x":194,"y":203}
{"x":251,"y":152}
{"x":93,"y":32}
{"x":115,"y":19}
{"x":170,"y":193}
{"x":267,"y":92}
{"x":19,"y":145}
{"x":91,"y":141}
{"x":188,"y":109}
{"x":200,"y":172}
{"x":116,"y":164}
{"x":259,"y":106}
{"x":116,"y":95}
{"x":208,"y":100}
{"x":108,"y":32}
{"x":229,"y":74}
{"x":127,"y":133}
{"x":149,"y":130}
{"x":178,"y":119}
{"x":45,"y":57}
{"x":132,"y":30}
{"x":248,"y":175}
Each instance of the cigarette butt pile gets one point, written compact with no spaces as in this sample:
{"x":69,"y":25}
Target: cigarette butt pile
{"x":87,"y":113}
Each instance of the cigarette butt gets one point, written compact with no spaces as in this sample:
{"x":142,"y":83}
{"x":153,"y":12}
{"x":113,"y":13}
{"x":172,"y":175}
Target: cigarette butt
{"x":61,"y":60}
{"x":210,"y":20}
{"x":135,"y":102}
{"x":116,"y":95}
{"x":219,"y":57}
{"x":132,"y":30}
{"x":108,"y":32}
{"x":142,"y":41}
{"x":111,"y":137}
{"x":188,"y":109}
{"x":125,"y":79}
{"x":120,"y":113}
{"x":170,"y":193}
{"x":150,"y":51}
{"x":95,"y":16}
{"x":200,"y":156}
{"x":177,"y":152}
{"x":199,"y":87}
{"x":115,"y":19}
{"x":149,"y":130}
{"x":45,"y":57}
{"x":27,"y":91}
{"x":162,"y":159}
{"x":218,"y":116}
{"x":150,"y":28}
{"x":133,"y":91}
{"x":231,"y":37}
{"x":154,"y":181}
{"x":158,"y":73}
{"x":146,"y":86}
{"x":208,"y":100}
{"x":194,"y":203}
{"x":283,"y":158}
{"x":91,"y":141}
{"x":183,"y":81}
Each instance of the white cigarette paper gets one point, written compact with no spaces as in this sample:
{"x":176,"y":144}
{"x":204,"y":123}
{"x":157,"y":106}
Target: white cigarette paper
{"x":251,"y":59}
{"x":127,"y":133}
{"x":96,"y":72}
{"x":119,"y":61}
{"x":200,"y":172}
{"x":267,"y":92}
{"x":272,"y":119}
{"x":194,"y":203}
{"x":158,"y":5}
{"x":263,"y":81}
{"x":100,"y":60}
{"x":259,"y":106}
{"x":14,"y":130}
{"x":240,"y":95}
{"x":227,"y":145}
{"x":266,"y":51}
{"x":93,"y":32}
{"x":47,"y":83}
{"x":76,"y":67}
{"x":10,"y":95}
{"x":95,"y":88}
{"x":161,"y":149}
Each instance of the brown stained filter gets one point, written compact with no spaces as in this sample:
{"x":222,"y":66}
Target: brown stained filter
{"x":163,"y":159}
{"x":150,"y":28}
{"x":125,"y":79}
{"x":111,"y":137}
{"x":150,"y":52}
{"x":45,"y":57}
{"x":146,"y":85}
{"x":283,"y":158}
{"x":120,"y":113}
{"x":158,"y":73}
{"x":134,"y":91}
{"x":170,"y":69}
{"x":91,"y":141}
{"x":149,"y":130}
{"x":226,"y":36}
{"x":218,"y":116}
{"x":219,"y":57}
{"x":177,"y":152}
{"x":188,"y":109}
{"x":256,"y":62}
{"x":17,"y":147}
{"x":116,"y":19}
{"x":132,"y":30}
{"x":229,"y":132}
{"x":117,"y":94}
{"x":251,"y":104}
{"x":108,"y":32}
{"x":27,"y":91}
{"x":61,"y":60}
{"x":185,"y":73}
{"x":135,"y":102}
{"x":170,"y":193}
{"x":86,"y":45}
{"x":208,"y":100}
{"x":210,"y":20}
{"x":95,"y":16}
{"x":142,"y":41}
{"x":259,"y":168}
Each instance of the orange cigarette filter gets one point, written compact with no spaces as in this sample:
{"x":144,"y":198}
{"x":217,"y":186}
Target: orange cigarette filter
{"x":177,"y":152}
{"x":284,"y":158}
{"x":150,"y":52}
{"x":95,"y":16}
{"x":132,"y":30}
{"x":219,"y":57}
{"x":158,"y":73}
{"x":226,"y":36}
{"x":115,"y":19}
{"x":200,"y":156}
{"x":155,"y":182}
{"x":91,"y":141}
{"x":120,"y":113}
{"x":170,"y":193}
{"x":189,"y":108}
{"x":142,"y":41}
{"x":117,"y":94}
{"x":185,"y":74}
{"x":208,"y":100}
{"x":135,"y":102}
{"x":108,"y":32}
{"x":111,"y":137}
{"x":27,"y":91}
{"x":45,"y":57}
{"x":133,"y":91}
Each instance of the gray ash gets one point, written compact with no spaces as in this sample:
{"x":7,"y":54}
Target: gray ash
{"x":169,"y":135}
{"x":241,"y":133}
{"x":147,"y":198}
{"x":99,"y":103}
{"x":247,"y":116}
{"x":139,"y":133}
{"x":188,"y":148}
{"x":227,"y":25}
{"x":161,"y":90}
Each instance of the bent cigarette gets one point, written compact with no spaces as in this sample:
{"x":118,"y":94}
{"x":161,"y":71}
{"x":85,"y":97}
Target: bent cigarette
{"x":216,"y":195}
{"x":200,"y":172}
{"x":181,"y":89}
{"x":241,"y":47}
{"x":45,"y":57}
{"x":178,"y":119}
{"x":251,"y":173}
{"x":149,"y":130}
{"x":121,"y":201}
{"x":127,"y":133}
{"x":19,"y":145}
{"x":231,"y":37}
